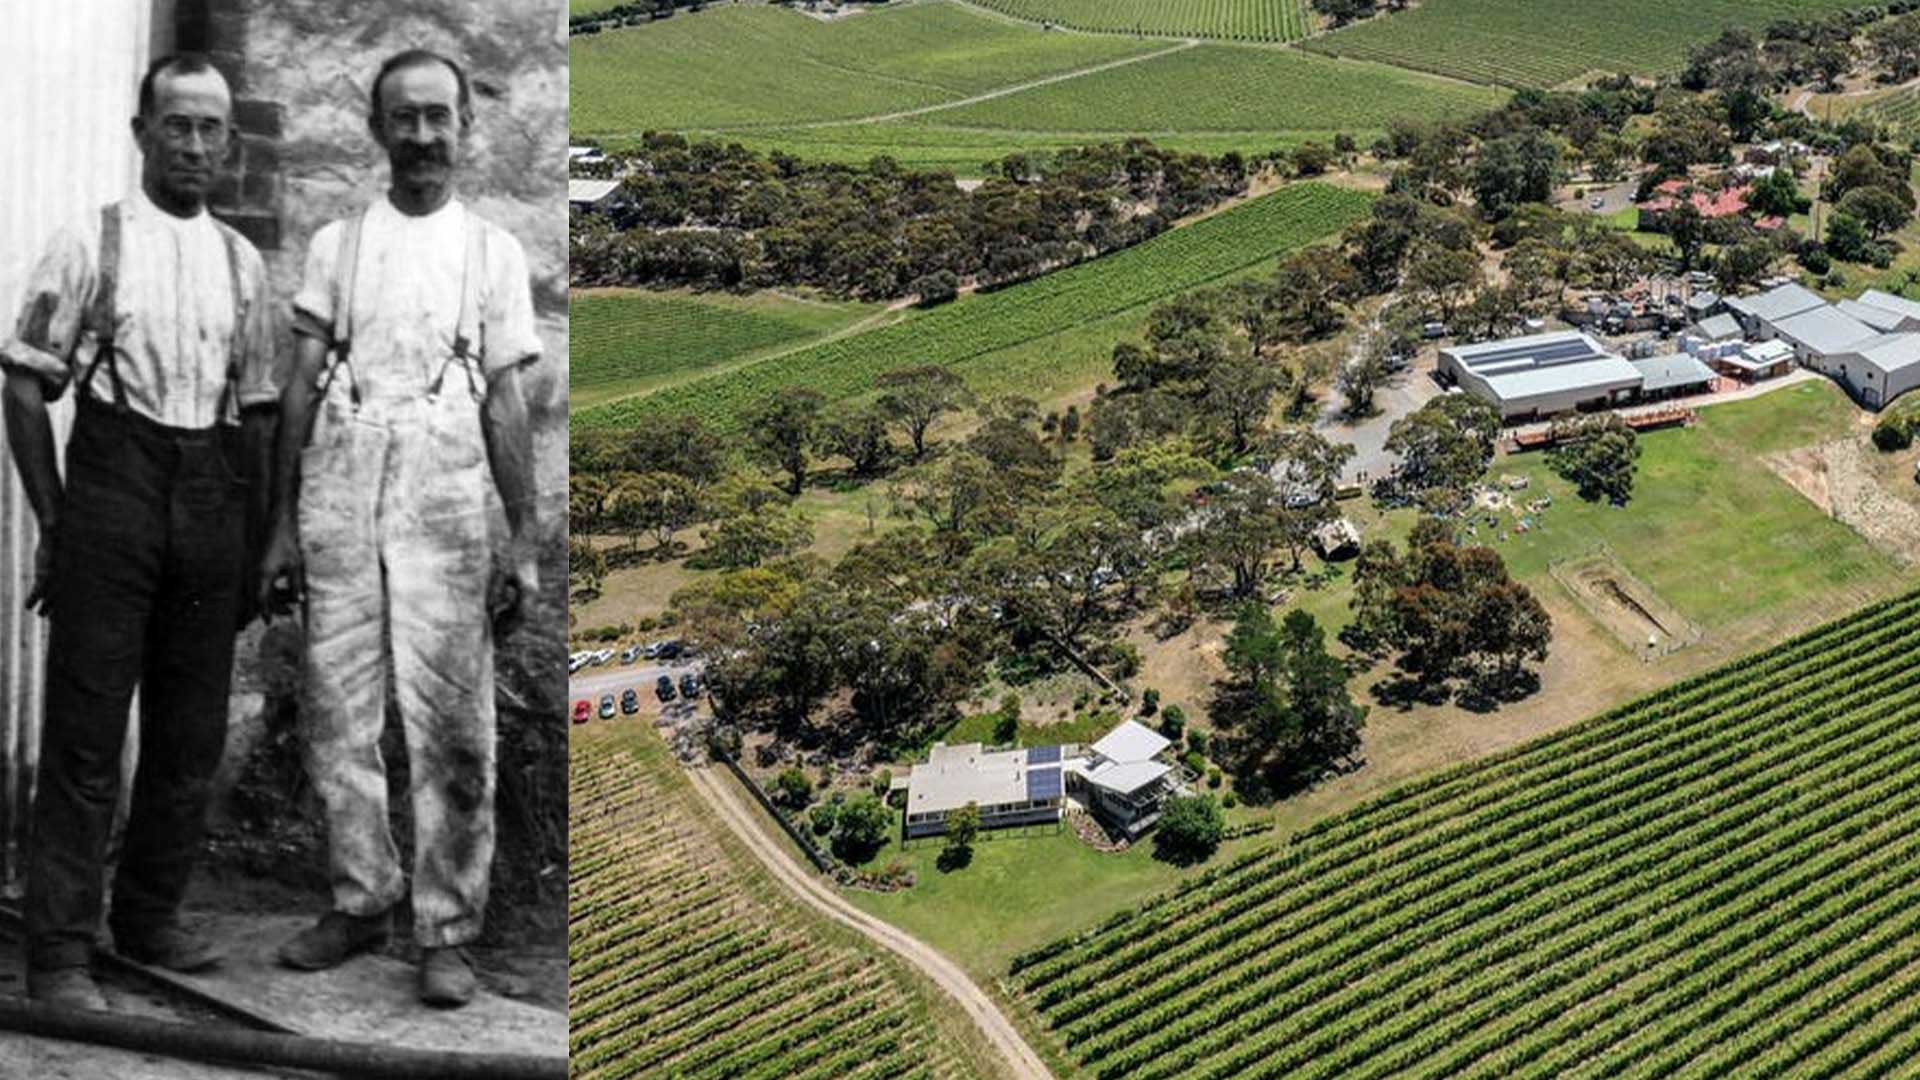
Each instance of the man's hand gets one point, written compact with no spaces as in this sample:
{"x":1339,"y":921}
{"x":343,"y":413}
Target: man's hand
{"x":40,"y":596}
{"x":283,"y":582}
{"x":512,"y":603}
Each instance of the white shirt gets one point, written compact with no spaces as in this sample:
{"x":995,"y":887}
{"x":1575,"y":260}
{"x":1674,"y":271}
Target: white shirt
{"x":174,"y":316}
{"x":406,"y":296}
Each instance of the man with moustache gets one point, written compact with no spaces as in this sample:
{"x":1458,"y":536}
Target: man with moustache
{"x":159,"y":315}
{"x":404,"y":417}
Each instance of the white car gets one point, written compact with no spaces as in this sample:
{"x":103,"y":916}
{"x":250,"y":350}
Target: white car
{"x":629,"y":654}
{"x":578,"y":660}
{"x":602,"y":656}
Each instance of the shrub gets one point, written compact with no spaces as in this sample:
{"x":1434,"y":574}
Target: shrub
{"x":1173,"y":722}
{"x":1198,"y":740}
{"x":1892,"y":433}
{"x":882,"y":781}
{"x":792,"y":788}
{"x":1816,"y":260}
{"x":1006,"y":723}
{"x":936,"y":288}
{"x":823,"y":817}
{"x":1149,"y":701}
{"x":1124,"y":660}
{"x":1195,"y":760}
{"x":1191,"y":828}
{"x":963,"y":827}
{"x":1213,"y":776}
{"x":861,"y":828}
{"x":1229,"y":800}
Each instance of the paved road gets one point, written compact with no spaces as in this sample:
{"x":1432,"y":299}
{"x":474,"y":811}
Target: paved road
{"x":980,"y":1008}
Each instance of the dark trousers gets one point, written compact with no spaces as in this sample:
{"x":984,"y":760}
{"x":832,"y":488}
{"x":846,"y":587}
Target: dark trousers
{"x":146,"y":590}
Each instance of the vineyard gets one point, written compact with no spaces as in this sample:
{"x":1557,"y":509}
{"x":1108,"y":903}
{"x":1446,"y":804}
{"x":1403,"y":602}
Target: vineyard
{"x":1899,"y":111}
{"x":1230,"y":88}
{"x":1717,"y":879}
{"x":950,"y":335}
{"x":758,"y":64}
{"x":1237,"y":20}
{"x":627,"y":342}
{"x":1541,"y":43}
{"x":680,"y":966}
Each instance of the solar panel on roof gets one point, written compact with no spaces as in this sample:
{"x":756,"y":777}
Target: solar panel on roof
{"x":1043,"y":755}
{"x":1043,"y":783}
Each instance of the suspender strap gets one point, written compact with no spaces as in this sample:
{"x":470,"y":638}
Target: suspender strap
{"x":105,"y":315}
{"x":469,"y":335}
{"x":345,"y":271}
{"x":242,"y":306}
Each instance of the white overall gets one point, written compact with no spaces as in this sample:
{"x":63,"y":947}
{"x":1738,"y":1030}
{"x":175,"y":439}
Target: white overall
{"x":393,"y":531}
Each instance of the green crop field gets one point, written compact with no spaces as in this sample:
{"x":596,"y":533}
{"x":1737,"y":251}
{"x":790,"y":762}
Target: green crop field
{"x":627,"y":341}
{"x":685,"y":961}
{"x":1547,"y":42}
{"x":757,"y":64}
{"x":1242,"y":20}
{"x":1719,"y":879}
{"x":976,"y":325}
{"x":1229,"y":88}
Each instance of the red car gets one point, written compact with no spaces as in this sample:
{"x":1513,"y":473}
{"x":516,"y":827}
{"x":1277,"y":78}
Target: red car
{"x":582,"y":711}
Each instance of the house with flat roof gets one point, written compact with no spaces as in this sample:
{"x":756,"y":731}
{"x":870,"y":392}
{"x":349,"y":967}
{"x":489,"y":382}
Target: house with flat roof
{"x":1541,"y":374}
{"x":1121,"y":780}
{"x":1011,"y":787}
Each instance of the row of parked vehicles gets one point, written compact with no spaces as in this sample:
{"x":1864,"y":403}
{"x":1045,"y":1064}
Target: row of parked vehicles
{"x":671,"y":649}
{"x":664,"y":688}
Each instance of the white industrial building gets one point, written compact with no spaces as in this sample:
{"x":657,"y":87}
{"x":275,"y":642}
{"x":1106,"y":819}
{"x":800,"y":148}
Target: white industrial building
{"x":1761,"y":314}
{"x":1541,"y":374}
{"x":1822,"y":331}
{"x":1870,"y":345}
{"x":1121,"y":779}
{"x":1876,"y":370}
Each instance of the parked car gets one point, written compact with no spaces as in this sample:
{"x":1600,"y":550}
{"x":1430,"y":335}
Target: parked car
{"x":689,"y":685}
{"x":582,"y":711}
{"x":630,"y":701}
{"x":630,"y":654}
{"x":652,"y":650}
{"x":1597,"y":201}
{"x":602,"y":656}
{"x":671,"y":650}
{"x":1433,"y":330}
{"x":577,"y":661}
{"x":663,"y":688}
{"x":606,"y":707}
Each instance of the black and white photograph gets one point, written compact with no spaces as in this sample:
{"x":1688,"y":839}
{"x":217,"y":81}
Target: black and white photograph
{"x":283,"y":355}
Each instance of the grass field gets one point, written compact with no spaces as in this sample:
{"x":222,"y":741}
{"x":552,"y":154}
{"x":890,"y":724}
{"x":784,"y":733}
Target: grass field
{"x":983,"y":324}
{"x":1229,"y":88}
{"x":758,"y":64}
{"x":1239,"y":20}
{"x":629,"y":341}
{"x":685,"y":960}
{"x":1547,"y":42}
{"x":1717,"y":879}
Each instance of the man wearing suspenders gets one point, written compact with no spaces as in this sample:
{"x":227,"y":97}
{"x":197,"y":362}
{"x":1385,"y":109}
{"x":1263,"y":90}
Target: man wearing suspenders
{"x":403,"y":419}
{"x":161,"y":316}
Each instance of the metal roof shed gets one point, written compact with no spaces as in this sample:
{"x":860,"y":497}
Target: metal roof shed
{"x":1721,"y":327}
{"x":1131,"y":741}
{"x":1672,"y":372}
{"x":1825,"y":330}
{"x":1776,"y":304}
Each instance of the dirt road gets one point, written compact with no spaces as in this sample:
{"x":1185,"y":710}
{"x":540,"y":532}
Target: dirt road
{"x":740,"y":817}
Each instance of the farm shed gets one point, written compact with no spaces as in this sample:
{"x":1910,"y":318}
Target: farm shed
{"x":1011,"y":787}
{"x":1822,"y":331}
{"x":1877,"y":370}
{"x":1672,"y":375}
{"x":591,"y":194}
{"x":1761,"y":313}
{"x":1541,"y":374}
{"x":1904,"y":313}
{"x":1761,"y":360}
{"x":1721,"y":327}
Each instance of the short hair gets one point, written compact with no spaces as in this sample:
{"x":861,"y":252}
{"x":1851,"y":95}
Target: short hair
{"x":415,"y":58}
{"x":182,"y":63}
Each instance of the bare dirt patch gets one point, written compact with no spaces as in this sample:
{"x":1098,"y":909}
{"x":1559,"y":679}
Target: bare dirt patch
{"x":1844,"y":478}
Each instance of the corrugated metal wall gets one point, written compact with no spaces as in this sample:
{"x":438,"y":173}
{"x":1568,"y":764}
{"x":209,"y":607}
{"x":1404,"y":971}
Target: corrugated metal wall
{"x":69,"y":74}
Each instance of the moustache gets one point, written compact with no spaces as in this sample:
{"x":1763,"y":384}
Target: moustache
{"x":429,"y":154}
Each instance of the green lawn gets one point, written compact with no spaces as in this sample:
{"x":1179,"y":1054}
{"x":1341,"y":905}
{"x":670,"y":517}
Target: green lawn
{"x":1543,"y":43}
{"x":629,"y":341}
{"x":1229,"y":88}
{"x":760,"y":64}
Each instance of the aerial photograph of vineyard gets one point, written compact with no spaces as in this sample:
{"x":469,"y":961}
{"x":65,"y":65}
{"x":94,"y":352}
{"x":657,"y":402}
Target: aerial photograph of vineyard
{"x":1245,"y":538}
